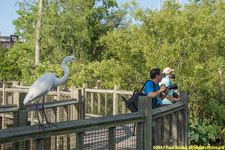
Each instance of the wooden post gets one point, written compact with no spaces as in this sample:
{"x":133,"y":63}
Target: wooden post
{"x":72,"y":92}
{"x":180,"y":128}
{"x":3,"y":103}
{"x":167,"y":130}
{"x":4,"y":93}
{"x":115,"y":101}
{"x":20,"y":119}
{"x":54,"y":119}
{"x":85,"y":97}
{"x":124,"y":109}
{"x":13,"y":99}
{"x":66,"y":137}
{"x":58,"y":118}
{"x":58,"y":92}
{"x":80,"y":136}
{"x":39,"y":144}
{"x":80,"y":141}
{"x":112,"y":138}
{"x":80,"y":101}
{"x":140,"y":136}
{"x":80,"y":106}
{"x":92,"y":102}
{"x":145,"y":108}
{"x":184,"y":99}
{"x":99,"y":103}
{"x":174,"y":128}
{"x":160,"y":1}
{"x":106,"y":103}
{"x":38,"y":39}
{"x":158,"y":132}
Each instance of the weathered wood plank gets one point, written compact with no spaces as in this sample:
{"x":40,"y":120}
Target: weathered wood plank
{"x":28,"y":132}
{"x":124,"y":92}
{"x":158,"y":132}
{"x":106,"y":104}
{"x":98,"y":90}
{"x":166,"y":130}
{"x":112,"y":138}
{"x":14,"y":107}
{"x":115,"y":101}
{"x":81,"y":111}
{"x":80,"y":140}
{"x":25,"y":89}
{"x":8,"y":108}
{"x":180,"y":128}
{"x":99,"y":103}
{"x":92,"y":102}
{"x":153,"y":131}
{"x":52,"y":104}
{"x":145,"y":108}
{"x":184,"y":99}
{"x":174,"y":128}
{"x":39,"y":144}
{"x":20,"y":119}
{"x":140,"y":136}
{"x":166,"y":110}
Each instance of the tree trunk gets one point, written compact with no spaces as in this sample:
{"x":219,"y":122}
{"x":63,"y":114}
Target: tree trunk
{"x":37,"y":44}
{"x":160,"y":2}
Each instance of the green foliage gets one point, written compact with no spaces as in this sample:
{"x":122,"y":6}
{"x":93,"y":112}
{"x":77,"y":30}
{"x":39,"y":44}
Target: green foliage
{"x":69,"y":27}
{"x":190,"y":40}
{"x":202,"y":134}
{"x":9,"y":70}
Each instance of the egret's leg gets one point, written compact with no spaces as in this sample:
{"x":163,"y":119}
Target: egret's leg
{"x":39,"y":123}
{"x":49,"y":123}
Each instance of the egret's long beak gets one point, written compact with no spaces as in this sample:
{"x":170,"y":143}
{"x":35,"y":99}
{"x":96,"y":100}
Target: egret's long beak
{"x":79,"y":61}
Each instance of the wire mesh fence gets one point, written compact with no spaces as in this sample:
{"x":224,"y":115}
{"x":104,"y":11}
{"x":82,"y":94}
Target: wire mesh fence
{"x":98,"y":139}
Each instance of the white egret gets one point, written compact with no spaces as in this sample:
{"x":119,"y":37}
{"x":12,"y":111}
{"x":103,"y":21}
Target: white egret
{"x":46,"y":83}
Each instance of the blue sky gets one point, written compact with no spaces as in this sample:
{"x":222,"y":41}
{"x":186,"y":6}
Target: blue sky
{"x":8,"y":10}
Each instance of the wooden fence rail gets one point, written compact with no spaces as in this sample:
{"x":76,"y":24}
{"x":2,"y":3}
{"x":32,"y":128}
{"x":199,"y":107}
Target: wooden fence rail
{"x":165,"y":126}
{"x":110,"y":96}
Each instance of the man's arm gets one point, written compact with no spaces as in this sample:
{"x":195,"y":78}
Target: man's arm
{"x":157,"y":93}
{"x":162,"y":96}
{"x":172,"y":98}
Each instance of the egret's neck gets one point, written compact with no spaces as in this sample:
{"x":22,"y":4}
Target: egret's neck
{"x":60,"y":81}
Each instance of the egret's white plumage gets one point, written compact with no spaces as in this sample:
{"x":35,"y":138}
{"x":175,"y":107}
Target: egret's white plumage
{"x":40,"y":87}
{"x":46,"y":83}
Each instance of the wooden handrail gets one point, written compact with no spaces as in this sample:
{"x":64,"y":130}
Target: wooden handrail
{"x":25,"y":89}
{"x":32,"y":132}
{"x":14,"y":108}
{"x":8,"y":108}
{"x":165,"y":110}
{"x":52,"y":104}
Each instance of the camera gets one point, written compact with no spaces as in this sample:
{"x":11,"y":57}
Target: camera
{"x":172,"y":75}
{"x":171,"y":87}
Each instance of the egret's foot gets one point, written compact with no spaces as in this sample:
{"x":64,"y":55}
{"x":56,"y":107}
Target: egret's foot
{"x":49,"y":123}
{"x":41,"y":126}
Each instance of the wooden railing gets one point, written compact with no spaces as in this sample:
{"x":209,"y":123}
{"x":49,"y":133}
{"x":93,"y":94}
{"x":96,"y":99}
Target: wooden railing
{"x":167,"y":125}
{"x":18,"y":112}
{"x":95,"y":98}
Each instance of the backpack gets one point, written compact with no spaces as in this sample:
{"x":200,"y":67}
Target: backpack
{"x":132,"y":102}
